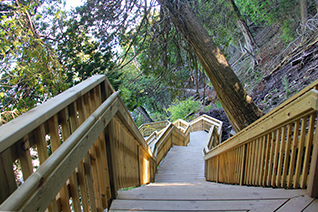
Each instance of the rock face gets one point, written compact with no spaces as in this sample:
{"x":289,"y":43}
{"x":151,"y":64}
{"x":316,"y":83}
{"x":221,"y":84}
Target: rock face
{"x":220,"y":115}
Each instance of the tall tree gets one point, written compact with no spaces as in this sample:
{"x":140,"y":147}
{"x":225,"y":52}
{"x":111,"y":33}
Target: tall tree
{"x":250,"y":42}
{"x":239,"y":107}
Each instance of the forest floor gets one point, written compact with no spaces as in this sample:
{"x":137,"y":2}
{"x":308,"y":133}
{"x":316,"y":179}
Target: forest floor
{"x":282,"y":71}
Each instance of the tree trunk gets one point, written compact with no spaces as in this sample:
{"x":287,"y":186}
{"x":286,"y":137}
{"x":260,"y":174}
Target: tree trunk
{"x":239,"y":107}
{"x":303,"y":14}
{"x":250,"y":42}
{"x":144,"y":113}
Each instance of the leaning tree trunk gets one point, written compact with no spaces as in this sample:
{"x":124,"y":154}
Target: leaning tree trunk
{"x":238,"y":106}
{"x":250,"y":42}
{"x":144,"y":113}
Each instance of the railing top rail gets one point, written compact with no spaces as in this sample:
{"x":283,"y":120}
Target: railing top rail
{"x":301,"y":104}
{"x":216,"y":121}
{"x":43,"y":176}
{"x":17,"y":128}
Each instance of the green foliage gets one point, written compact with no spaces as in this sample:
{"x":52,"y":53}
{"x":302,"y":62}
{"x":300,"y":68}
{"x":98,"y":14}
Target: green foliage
{"x":285,"y":13}
{"x":181,"y":109}
{"x":44,"y":51}
{"x":218,"y":104}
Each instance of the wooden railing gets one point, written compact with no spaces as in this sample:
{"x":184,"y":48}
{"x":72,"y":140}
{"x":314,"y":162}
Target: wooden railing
{"x":97,"y":149}
{"x":87,"y":146}
{"x":148,"y":128}
{"x":278,"y":150}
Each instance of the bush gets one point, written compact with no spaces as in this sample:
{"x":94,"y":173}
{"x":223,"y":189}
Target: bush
{"x":182,"y":109}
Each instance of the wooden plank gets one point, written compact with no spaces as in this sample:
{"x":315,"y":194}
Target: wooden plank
{"x":55,"y":142}
{"x":14,"y":130}
{"x":281,"y":157}
{"x":277,"y":145}
{"x":312,"y":187}
{"x":150,"y":205}
{"x":293,"y":155}
{"x":268,"y":139}
{"x":39,"y":136}
{"x":89,"y":180}
{"x":287,"y":156}
{"x":271,"y":158}
{"x":313,"y":207}
{"x":261,"y":175}
{"x":301,"y":145}
{"x":25,"y":158}
{"x":309,"y":141}
{"x":7,"y":178}
{"x":82,"y":185}
{"x":296,"y":204}
{"x":259,"y":156}
{"x":255,"y":154}
{"x":243,"y":164}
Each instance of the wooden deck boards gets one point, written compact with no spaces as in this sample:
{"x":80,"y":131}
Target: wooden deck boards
{"x":180,"y":186}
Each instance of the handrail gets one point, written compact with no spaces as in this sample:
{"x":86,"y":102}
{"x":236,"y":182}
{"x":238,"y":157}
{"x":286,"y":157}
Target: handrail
{"x":16,"y":128}
{"x":58,"y":168}
{"x":278,"y":150}
{"x":96,"y":150}
{"x":91,"y":155}
{"x":148,"y":128}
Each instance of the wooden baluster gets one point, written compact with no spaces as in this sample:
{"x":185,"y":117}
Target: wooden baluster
{"x":7,"y":178}
{"x":73,"y":122}
{"x":94,"y":162}
{"x":271,"y":158}
{"x":268,"y":139}
{"x":40,"y":141}
{"x":277,"y":145}
{"x":242,"y":178}
{"x":309,"y":141}
{"x":81,"y":168}
{"x":86,"y":111}
{"x":55,"y":143}
{"x":287,"y":154}
{"x":257,"y":163}
{"x":263,"y":153}
{"x":25,"y":158}
{"x":293,"y":155}
{"x":253,"y":165}
{"x":301,"y":145}
{"x":281,"y":156}
{"x":101,"y":146}
{"x":312,"y":187}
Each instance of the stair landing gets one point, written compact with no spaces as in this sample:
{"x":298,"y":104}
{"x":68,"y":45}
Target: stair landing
{"x":180,"y":186}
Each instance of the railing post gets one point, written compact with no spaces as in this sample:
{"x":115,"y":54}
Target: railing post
{"x":312,"y":187}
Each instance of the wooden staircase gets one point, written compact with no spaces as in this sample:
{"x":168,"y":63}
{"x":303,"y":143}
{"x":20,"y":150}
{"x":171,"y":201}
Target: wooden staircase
{"x":88,"y":148}
{"x":180,"y":186}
